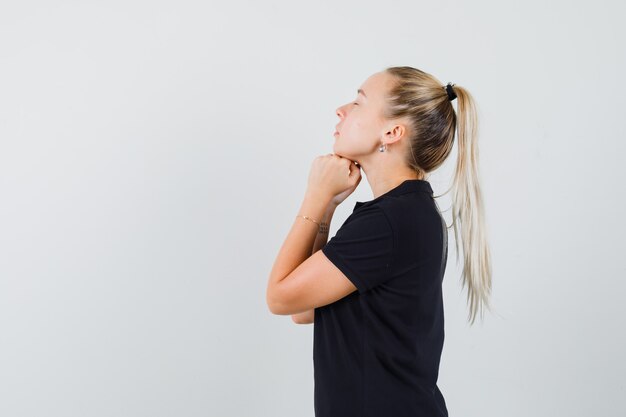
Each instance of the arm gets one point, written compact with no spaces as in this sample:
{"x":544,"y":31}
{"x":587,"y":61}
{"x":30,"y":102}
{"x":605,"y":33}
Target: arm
{"x":308,"y":317}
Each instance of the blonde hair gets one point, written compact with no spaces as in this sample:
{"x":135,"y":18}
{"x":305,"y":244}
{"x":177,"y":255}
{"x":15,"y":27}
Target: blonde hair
{"x":423,"y":100}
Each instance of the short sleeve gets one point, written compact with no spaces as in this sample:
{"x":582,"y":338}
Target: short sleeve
{"x":363,"y":248}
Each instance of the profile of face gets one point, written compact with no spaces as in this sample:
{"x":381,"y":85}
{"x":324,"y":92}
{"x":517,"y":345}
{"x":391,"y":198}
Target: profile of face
{"x":362,"y":127}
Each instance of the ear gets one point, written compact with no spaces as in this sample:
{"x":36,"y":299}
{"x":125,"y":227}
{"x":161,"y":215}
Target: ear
{"x":396,"y":131}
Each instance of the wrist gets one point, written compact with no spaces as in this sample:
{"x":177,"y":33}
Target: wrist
{"x":330,"y":209}
{"x":318,"y":199}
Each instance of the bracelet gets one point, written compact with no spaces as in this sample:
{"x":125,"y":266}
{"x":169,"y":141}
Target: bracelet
{"x":322,"y":227}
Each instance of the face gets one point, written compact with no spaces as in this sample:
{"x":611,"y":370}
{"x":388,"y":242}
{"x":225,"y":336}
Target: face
{"x":362,"y":127}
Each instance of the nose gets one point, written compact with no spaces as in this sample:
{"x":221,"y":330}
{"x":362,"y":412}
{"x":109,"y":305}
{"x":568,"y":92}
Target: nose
{"x":339,"y":112}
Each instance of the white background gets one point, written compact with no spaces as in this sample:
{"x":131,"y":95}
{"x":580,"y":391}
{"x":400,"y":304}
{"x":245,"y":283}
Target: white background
{"x":153,"y":156}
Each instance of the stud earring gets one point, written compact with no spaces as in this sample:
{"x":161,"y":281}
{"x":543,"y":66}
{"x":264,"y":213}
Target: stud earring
{"x":382,"y":148}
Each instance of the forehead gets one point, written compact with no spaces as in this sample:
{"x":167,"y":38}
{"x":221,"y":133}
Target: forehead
{"x":375,"y":86}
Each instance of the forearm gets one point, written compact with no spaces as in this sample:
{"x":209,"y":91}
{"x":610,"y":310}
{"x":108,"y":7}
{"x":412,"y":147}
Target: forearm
{"x":298,"y":246}
{"x":307,"y":317}
{"x":322,"y":237}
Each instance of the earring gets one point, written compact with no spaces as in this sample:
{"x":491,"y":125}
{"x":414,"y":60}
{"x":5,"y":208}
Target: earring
{"x":382,"y":148}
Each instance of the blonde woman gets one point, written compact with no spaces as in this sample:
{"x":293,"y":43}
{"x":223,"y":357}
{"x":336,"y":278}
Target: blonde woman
{"x":374,"y":291}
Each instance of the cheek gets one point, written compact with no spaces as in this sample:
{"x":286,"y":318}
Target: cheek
{"x":357,"y":137}
{"x":356,"y":124}
{"x":361,"y":128}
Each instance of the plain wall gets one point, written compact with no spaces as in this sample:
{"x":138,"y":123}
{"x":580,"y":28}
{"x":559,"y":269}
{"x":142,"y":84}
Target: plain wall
{"x":153,"y":156}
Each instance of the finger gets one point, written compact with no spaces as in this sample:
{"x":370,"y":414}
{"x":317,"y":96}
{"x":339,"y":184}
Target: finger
{"x":353,"y":171}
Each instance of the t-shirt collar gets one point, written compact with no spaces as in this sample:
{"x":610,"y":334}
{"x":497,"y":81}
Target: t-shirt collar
{"x":407,"y":186}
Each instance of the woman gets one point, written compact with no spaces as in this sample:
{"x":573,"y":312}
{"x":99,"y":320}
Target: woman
{"x":374,"y":290}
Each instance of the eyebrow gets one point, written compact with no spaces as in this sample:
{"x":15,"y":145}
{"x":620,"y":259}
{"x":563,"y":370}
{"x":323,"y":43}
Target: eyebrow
{"x":362,"y":92}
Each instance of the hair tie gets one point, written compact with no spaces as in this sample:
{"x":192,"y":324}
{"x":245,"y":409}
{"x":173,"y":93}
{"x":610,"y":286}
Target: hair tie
{"x":450,"y":91}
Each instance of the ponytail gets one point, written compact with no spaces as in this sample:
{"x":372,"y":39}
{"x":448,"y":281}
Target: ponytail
{"x":468,"y":217}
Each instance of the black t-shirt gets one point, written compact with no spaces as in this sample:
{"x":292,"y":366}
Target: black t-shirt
{"x":376,"y":352}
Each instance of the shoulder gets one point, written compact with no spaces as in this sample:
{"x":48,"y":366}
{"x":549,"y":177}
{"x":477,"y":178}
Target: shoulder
{"x":368,"y":220}
{"x":404,"y":210}
{"x":413,"y":218}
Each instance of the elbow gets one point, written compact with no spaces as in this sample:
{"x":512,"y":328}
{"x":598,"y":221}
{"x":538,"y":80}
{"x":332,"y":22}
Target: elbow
{"x":272,"y":304}
{"x":299,"y":319}
{"x":269,"y":300}
{"x":272,"y":309}
{"x":278,"y":300}
{"x":276,"y":309}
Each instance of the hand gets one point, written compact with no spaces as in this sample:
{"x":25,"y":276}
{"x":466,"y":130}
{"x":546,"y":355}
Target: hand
{"x":339,"y":198}
{"x":333,"y":177}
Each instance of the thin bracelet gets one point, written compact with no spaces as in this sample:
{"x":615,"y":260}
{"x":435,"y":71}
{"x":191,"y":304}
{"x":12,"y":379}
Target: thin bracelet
{"x":322,"y":228}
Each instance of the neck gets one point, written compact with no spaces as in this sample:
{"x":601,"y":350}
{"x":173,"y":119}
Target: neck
{"x":382,"y":184}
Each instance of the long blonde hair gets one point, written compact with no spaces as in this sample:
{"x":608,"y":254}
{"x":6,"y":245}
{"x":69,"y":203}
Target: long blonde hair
{"x":423,"y":100}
